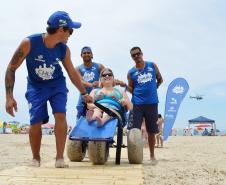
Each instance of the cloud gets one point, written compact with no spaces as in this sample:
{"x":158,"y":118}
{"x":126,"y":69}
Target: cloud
{"x":185,"y":38}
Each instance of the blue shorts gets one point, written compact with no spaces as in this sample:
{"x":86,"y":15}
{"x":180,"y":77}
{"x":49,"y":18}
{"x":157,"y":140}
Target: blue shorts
{"x":147,"y":111}
{"x":37,"y":101}
{"x":81,"y":109}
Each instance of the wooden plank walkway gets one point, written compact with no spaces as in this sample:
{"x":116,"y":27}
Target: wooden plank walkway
{"x":78,"y":173}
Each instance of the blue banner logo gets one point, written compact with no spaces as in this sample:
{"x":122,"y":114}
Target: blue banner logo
{"x":176,"y":92}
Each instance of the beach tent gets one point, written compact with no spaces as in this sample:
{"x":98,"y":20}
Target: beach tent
{"x":202,"y":121}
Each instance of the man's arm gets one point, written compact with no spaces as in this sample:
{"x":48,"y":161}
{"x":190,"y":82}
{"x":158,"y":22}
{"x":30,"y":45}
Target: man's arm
{"x":91,"y":106}
{"x":13,"y":65}
{"x":158,"y":76}
{"x":125,"y":101}
{"x":74,"y":76}
{"x":101,"y":67}
{"x":130,"y":84}
{"x":119,"y":82}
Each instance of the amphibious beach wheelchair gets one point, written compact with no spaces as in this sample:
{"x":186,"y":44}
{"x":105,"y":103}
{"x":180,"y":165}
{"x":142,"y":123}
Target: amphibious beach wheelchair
{"x":98,"y":140}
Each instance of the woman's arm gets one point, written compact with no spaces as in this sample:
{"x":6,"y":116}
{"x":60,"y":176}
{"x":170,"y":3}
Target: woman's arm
{"x":125,"y":101}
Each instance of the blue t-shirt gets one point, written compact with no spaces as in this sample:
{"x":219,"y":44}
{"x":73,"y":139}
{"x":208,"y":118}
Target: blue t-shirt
{"x":89,"y":74}
{"x":43,"y":64}
{"x":144,"y":84}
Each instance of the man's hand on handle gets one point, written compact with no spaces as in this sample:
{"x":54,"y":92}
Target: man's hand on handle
{"x":88,"y":98}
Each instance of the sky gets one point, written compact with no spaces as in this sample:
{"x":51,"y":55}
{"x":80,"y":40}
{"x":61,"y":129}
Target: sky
{"x":185,"y":38}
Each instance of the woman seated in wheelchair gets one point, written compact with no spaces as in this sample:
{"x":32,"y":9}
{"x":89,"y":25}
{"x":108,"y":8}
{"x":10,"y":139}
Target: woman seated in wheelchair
{"x":108,"y":96}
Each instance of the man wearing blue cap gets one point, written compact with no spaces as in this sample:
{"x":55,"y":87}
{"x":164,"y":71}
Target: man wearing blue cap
{"x":45,"y":81}
{"x":89,"y":73}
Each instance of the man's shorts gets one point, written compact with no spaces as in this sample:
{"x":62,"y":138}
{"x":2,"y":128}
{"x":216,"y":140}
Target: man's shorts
{"x":37,"y":101}
{"x":81,"y":107}
{"x":147,"y":111}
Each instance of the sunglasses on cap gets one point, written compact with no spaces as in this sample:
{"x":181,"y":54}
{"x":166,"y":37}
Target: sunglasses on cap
{"x":136,"y":54}
{"x":107,"y":74}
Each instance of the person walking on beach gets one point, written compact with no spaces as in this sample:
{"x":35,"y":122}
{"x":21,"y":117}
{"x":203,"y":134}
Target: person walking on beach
{"x":89,"y":73}
{"x":44,"y":52}
{"x":159,"y":137}
{"x":143,"y":80}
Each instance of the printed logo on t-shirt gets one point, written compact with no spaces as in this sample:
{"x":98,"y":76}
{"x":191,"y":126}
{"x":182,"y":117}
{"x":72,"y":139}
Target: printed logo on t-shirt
{"x":136,"y":73}
{"x":46,"y":73}
{"x":149,"y":69}
{"x":93,"y":68}
{"x":88,"y":76}
{"x":143,"y":78}
{"x":40,"y":58}
{"x":57,"y":61}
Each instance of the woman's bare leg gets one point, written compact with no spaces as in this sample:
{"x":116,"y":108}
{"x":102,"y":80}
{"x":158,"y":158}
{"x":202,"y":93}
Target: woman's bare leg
{"x":103,"y":120}
{"x":92,"y":114}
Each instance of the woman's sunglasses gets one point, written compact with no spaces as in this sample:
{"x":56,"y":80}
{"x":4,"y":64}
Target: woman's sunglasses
{"x":107,"y":74}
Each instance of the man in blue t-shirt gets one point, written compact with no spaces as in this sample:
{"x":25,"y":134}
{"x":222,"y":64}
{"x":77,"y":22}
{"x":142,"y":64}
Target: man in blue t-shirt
{"x":143,"y":80}
{"x":89,"y":73}
{"x":44,"y":55}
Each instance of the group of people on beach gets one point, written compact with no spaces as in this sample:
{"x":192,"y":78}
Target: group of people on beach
{"x":46,"y":83}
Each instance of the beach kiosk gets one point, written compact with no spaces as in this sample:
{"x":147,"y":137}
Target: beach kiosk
{"x":203,"y":122}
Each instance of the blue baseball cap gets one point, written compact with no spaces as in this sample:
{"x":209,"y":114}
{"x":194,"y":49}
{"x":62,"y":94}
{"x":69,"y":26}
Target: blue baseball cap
{"x":86,"y":48}
{"x":62,"y":19}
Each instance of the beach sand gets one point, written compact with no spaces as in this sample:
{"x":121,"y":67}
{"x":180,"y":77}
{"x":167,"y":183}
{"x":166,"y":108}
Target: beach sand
{"x":183,"y":160}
